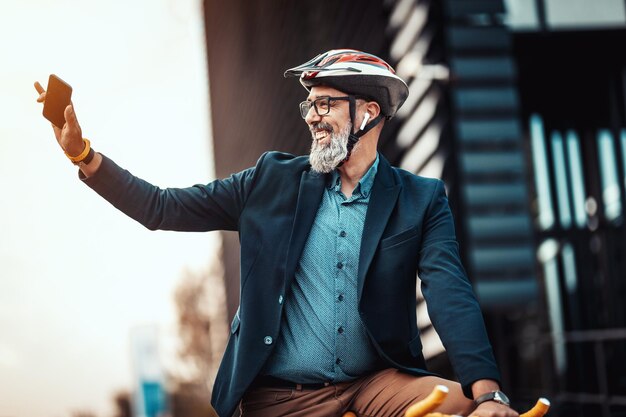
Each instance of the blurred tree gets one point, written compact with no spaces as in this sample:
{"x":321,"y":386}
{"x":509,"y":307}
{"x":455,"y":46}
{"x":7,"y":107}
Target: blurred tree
{"x":122,"y":401}
{"x":191,"y":400}
{"x":203,"y":330}
{"x":83,"y":413}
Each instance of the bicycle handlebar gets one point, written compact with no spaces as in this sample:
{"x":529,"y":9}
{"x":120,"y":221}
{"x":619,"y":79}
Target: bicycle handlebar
{"x":438,"y":395}
{"x":428,"y":404}
{"x":540,"y":408}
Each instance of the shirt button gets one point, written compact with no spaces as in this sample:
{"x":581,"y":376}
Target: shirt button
{"x":280,"y":299}
{"x":340,"y":330}
{"x":340,"y":298}
{"x":343,"y":233}
{"x":339,"y":265}
{"x":268,"y":340}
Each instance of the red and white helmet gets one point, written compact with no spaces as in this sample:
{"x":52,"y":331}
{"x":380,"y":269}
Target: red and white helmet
{"x":356,"y":73}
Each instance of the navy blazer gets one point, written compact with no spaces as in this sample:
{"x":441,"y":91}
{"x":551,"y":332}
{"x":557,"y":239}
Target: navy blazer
{"x":408,"y":230}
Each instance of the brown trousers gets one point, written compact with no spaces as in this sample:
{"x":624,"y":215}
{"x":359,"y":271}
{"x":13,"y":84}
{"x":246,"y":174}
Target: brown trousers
{"x":387,"y":393}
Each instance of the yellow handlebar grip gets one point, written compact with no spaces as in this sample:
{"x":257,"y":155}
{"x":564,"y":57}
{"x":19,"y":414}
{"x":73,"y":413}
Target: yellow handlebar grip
{"x":441,"y":415}
{"x":541,"y":408}
{"x":428,"y":404}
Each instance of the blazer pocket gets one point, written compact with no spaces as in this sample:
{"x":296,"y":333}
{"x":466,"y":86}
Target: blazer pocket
{"x":399,"y":237}
{"x":234,"y":326}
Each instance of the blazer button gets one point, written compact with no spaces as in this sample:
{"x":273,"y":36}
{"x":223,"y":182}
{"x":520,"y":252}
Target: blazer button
{"x":280,"y":299}
{"x":268,"y":340}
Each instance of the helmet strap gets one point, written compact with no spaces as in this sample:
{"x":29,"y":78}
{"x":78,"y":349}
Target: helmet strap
{"x":355,"y":136}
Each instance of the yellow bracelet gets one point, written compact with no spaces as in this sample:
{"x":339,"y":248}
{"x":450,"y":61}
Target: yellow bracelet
{"x":76,"y":159}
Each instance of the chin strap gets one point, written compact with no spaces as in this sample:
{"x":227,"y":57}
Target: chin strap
{"x":355,"y":136}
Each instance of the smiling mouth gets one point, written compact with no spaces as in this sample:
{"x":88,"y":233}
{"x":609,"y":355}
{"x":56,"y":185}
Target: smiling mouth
{"x":321,"y":135}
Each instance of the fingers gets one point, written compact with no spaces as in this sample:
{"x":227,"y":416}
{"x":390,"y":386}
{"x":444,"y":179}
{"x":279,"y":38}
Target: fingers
{"x":39,"y":88}
{"x":41,"y":91}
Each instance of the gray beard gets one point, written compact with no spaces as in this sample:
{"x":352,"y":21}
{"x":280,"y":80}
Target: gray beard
{"x":325,"y":158}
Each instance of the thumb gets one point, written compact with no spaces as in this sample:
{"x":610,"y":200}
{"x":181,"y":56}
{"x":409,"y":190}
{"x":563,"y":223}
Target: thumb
{"x":71,"y":128}
{"x":70,"y":116}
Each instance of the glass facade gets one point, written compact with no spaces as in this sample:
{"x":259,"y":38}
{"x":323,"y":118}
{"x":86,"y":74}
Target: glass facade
{"x":611,"y":193}
{"x":573,"y":101}
{"x":533,"y":15}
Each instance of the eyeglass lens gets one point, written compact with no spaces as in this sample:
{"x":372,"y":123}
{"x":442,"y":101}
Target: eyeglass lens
{"x":321,"y":105}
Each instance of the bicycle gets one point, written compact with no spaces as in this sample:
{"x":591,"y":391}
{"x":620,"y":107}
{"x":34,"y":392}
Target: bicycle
{"x":438,"y":395}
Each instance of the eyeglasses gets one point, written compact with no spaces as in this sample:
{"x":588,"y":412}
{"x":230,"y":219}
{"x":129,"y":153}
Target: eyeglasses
{"x":321,"y":105}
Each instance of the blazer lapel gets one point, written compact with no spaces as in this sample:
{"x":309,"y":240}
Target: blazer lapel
{"x":382,"y":201}
{"x":309,"y":197}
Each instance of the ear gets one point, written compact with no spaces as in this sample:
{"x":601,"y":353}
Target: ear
{"x":372,"y":108}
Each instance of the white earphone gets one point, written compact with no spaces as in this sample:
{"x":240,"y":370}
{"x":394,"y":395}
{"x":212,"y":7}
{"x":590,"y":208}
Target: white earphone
{"x":365,"y":119}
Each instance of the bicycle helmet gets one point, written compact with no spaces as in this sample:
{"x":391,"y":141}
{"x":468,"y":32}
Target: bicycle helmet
{"x":358,"y":74}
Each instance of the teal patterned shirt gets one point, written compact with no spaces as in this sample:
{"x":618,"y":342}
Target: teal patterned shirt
{"x":322,"y":338}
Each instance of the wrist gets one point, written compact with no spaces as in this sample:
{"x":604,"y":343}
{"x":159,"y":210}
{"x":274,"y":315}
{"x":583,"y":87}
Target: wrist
{"x":483,"y":386}
{"x":486,"y":390}
{"x":90,"y":169}
{"x":85,"y":155}
{"x":87,"y":160}
{"x":495,"y":396}
{"x":75,"y":148}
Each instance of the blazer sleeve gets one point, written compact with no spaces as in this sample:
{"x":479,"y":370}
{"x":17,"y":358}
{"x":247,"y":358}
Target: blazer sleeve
{"x":451,"y":302}
{"x":214,"y":206}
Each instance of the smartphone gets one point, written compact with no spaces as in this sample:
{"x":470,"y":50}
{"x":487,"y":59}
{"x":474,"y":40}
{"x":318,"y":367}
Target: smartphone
{"x":58,"y":97}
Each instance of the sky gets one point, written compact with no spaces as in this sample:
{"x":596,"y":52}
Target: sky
{"x":76,"y":275}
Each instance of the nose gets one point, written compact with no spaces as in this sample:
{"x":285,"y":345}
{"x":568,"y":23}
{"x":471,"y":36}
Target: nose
{"x":312,"y":116}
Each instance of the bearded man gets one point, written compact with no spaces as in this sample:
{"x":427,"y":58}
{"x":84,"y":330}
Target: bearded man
{"x":331,"y":245}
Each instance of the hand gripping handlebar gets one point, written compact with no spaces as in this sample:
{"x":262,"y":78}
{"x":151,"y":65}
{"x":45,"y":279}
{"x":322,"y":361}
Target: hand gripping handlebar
{"x":437,"y":397}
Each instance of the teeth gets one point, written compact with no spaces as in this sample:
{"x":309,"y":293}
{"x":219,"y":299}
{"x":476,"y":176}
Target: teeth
{"x":321,"y":134}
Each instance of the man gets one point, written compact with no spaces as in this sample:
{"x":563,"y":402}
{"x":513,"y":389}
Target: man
{"x":330,"y":248}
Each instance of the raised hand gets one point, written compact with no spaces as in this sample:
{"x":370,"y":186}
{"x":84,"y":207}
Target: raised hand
{"x":70,"y":138}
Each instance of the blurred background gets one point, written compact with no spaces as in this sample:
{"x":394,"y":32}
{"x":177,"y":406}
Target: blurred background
{"x":518,"y":105}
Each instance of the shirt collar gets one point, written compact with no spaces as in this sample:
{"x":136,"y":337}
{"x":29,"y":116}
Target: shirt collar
{"x":364,"y":187}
